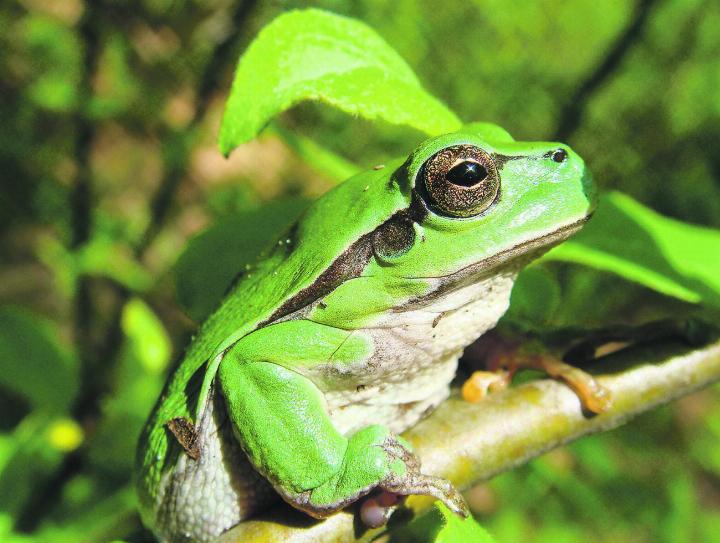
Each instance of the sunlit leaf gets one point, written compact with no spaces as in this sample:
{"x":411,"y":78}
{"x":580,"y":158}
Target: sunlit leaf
{"x":107,"y":258}
{"x":672,"y":257}
{"x":100,"y":257}
{"x":316,"y":156}
{"x":316,"y":55}
{"x":56,"y":61}
{"x":116,"y":87}
{"x":102,"y":520}
{"x":65,"y":435}
{"x":213,"y":258}
{"x":147,"y":336}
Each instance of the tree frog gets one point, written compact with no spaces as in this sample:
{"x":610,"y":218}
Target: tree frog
{"x":348,"y":331}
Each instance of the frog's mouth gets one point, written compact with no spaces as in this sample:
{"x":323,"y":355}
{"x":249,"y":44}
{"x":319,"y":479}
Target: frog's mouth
{"x":513,"y":258}
{"x":530,"y":249}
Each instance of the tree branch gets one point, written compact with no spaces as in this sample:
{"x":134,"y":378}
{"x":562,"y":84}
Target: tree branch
{"x":81,"y":201}
{"x":467,"y":443}
{"x":81,"y":225}
{"x":570,"y":117}
{"x":176,"y":163}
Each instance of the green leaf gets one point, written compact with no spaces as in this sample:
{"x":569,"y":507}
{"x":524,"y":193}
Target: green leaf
{"x":146,"y":334}
{"x":102,"y":520}
{"x":103,"y":257}
{"x":54,"y":52}
{"x":316,"y":55}
{"x":440,"y":525}
{"x":100,"y":257}
{"x":116,"y":87}
{"x":316,"y":156}
{"x":535,"y":297}
{"x":669,"y":256}
{"x":34,"y":364}
{"x":212,"y":259}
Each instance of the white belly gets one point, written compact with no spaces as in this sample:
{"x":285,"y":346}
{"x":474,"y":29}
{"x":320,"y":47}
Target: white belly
{"x":415,"y":357}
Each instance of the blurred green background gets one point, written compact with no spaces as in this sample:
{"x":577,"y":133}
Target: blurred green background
{"x":109,"y":166}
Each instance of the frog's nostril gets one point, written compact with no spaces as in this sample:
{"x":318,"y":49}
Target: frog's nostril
{"x":559,"y":155}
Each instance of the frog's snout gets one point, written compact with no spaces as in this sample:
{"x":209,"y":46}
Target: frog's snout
{"x":580,"y":173}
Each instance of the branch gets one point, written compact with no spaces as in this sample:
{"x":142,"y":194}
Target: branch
{"x":176,"y":166}
{"x":81,"y":202}
{"x":571,"y":115}
{"x":468,"y":443}
{"x":81,"y":225}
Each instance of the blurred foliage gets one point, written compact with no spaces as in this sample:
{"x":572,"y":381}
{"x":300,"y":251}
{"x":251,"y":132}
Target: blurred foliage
{"x":672,"y":257}
{"x":111,"y":113}
{"x":232,"y":244}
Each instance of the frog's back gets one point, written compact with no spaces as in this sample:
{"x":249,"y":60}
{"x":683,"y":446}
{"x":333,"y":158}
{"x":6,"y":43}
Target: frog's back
{"x":279,"y":284}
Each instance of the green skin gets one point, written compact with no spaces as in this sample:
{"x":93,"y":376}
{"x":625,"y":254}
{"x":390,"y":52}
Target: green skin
{"x":310,"y":325}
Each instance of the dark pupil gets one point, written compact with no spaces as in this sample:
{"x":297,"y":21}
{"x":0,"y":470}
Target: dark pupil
{"x":466,"y":174}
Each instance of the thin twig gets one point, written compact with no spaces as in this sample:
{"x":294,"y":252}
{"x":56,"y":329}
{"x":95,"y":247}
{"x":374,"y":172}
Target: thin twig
{"x":571,"y":116}
{"x":176,"y":165}
{"x":467,"y":443}
{"x":82,"y":197}
{"x":81,"y":201}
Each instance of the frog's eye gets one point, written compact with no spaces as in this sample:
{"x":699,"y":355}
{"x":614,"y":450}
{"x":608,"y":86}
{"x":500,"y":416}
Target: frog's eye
{"x":459,"y":181}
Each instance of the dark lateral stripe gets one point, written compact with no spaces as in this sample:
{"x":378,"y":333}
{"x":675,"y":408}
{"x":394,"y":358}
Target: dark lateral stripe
{"x":348,"y":265}
{"x":351,"y":263}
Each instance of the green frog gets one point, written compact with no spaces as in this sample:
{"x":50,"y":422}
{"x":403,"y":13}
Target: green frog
{"x":348,"y":331}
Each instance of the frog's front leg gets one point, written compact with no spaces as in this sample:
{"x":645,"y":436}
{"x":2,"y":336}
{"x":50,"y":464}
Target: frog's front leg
{"x":281,"y":421}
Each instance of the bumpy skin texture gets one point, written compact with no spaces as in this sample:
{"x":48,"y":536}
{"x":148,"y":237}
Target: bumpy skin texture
{"x":345,"y":334}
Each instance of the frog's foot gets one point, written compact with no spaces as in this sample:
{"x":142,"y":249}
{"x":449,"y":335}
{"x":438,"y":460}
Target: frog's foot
{"x":275,"y":410}
{"x":428,"y":485}
{"x":482,"y":383}
{"x":387,"y":463}
{"x":593,"y":395}
{"x":376,"y":510}
{"x":504,"y":359}
{"x":414,"y":482}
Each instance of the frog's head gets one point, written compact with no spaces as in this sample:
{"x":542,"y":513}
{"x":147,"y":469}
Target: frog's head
{"x":481,"y":199}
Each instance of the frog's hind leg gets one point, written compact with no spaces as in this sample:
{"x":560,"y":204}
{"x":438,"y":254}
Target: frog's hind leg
{"x":281,"y":421}
{"x":503,"y":355}
{"x":503,"y":359}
